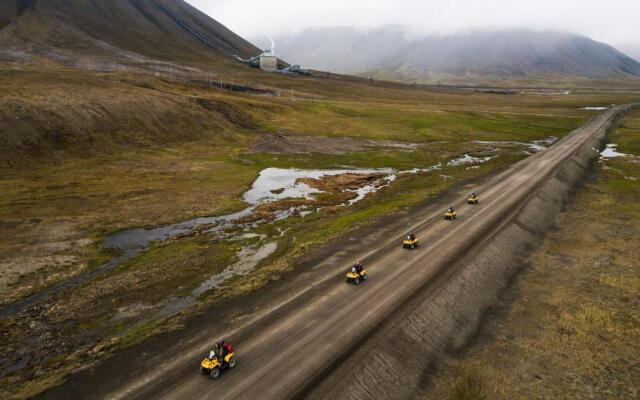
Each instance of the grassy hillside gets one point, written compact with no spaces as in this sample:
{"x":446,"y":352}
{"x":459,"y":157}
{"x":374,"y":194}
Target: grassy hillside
{"x":48,"y":113}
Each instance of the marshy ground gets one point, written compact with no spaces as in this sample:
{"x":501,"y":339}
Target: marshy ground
{"x":97,"y":153}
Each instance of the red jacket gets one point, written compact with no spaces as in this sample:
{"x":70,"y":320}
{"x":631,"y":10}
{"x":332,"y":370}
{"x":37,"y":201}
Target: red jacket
{"x":228,"y":347}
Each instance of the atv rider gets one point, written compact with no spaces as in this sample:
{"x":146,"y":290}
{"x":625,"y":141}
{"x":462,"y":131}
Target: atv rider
{"x":224,"y":350}
{"x":411,"y":236}
{"x":358,"y":268}
{"x":220,"y":351}
{"x":450,"y":210}
{"x":215,"y":353}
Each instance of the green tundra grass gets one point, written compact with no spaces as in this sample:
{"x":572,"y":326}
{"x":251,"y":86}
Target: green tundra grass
{"x":91,"y":154}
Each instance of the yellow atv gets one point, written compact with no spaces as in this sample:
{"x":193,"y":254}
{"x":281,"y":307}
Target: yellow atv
{"x":356,"y":278}
{"x":212,"y":366}
{"x":409,"y":243}
{"x":473,"y":199}
{"x":450,"y":215}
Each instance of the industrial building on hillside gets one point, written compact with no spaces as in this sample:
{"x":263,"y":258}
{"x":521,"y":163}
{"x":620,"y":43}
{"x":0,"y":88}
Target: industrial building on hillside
{"x":268,"y":61}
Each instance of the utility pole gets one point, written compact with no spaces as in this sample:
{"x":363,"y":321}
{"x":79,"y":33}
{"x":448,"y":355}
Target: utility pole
{"x":116,"y":63}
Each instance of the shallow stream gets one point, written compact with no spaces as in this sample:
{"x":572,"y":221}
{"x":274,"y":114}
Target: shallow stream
{"x":271,"y":185}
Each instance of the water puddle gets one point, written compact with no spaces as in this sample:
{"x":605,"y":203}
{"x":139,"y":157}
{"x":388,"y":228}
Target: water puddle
{"x":533,"y":146}
{"x":271,"y":186}
{"x":611,"y":152}
{"x":539,"y":145}
{"x":277,"y":183}
{"x":401,"y":145}
{"x":594,"y":108}
{"x":140,"y":238}
{"x":36,"y":298}
{"x":368,"y":189}
{"x":435,"y":167}
{"x":248,"y":259}
{"x":469,"y":159}
{"x":248,"y":235}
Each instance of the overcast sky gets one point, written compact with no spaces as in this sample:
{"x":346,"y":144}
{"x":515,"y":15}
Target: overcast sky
{"x":611,"y":21}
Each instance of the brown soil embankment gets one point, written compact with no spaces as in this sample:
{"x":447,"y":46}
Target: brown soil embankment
{"x":397,"y":360}
{"x":46,"y":116}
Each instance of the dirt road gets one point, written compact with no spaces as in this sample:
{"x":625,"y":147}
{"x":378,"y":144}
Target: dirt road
{"x":284,"y":349}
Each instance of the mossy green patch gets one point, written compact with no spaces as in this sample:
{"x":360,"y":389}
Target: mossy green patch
{"x":399,"y":122}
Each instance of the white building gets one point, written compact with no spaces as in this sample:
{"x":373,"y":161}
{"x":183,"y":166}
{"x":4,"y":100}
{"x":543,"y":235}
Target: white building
{"x":268,"y":61}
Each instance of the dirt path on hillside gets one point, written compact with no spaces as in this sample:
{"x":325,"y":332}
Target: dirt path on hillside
{"x":284,"y":345}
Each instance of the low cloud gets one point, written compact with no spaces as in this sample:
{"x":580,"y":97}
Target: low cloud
{"x":613,"y":21}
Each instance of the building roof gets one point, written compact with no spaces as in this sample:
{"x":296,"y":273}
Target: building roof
{"x":267,"y":53}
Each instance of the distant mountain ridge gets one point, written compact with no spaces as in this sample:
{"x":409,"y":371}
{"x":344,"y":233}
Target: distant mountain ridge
{"x":391,"y":51}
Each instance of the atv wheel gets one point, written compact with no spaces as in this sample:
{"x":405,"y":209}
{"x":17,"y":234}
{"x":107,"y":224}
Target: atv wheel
{"x":232,"y":363}
{"x":356,"y":281}
{"x":215,"y":373}
{"x":203,"y":371}
{"x":364,"y":277}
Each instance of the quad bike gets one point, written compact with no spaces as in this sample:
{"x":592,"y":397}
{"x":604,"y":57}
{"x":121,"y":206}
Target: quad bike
{"x":410,"y":243}
{"x":212,"y":366}
{"x":450,"y":215}
{"x":355,"y":277}
{"x":473,"y":199}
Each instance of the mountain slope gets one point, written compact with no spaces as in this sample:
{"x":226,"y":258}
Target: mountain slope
{"x":509,"y":52}
{"x":630,"y":49}
{"x":154,"y":28}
